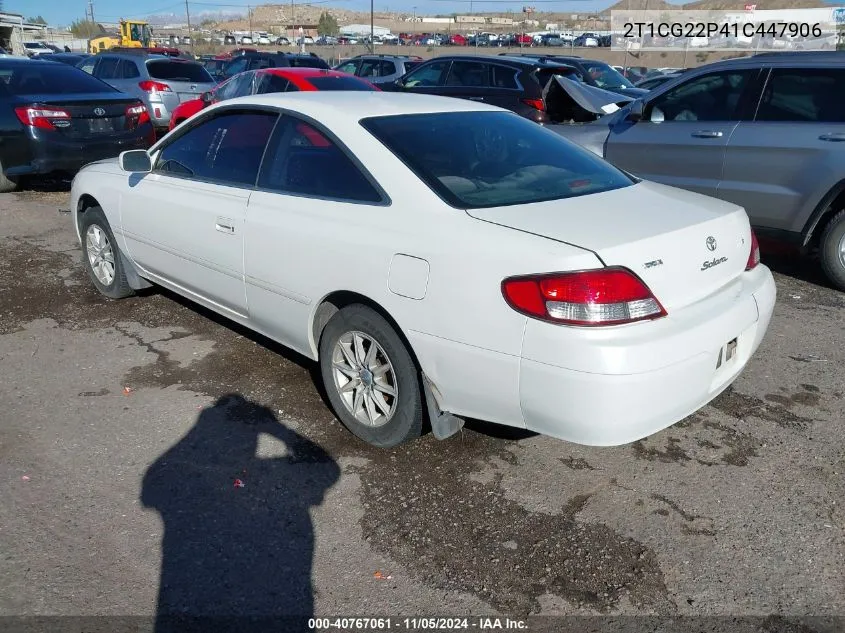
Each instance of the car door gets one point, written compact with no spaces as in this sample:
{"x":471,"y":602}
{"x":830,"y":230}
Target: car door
{"x":783,"y":162}
{"x":184,"y":222}
{"x":426,"y":78}
{"x":467,"y":79}
{"x":682,"y":136}
{"x":312,"y":198}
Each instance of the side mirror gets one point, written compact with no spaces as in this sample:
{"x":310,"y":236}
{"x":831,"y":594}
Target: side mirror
{"x":399,"y":84}
{"x":135,"y":161}
{"x":207,"y":98}
{"x":635,"y":113}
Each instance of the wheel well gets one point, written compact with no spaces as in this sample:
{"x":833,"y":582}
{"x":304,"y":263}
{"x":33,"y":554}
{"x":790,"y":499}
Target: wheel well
{"x":831,"y":209}
{"x":85,"y":203}
{"x":338,"y":300}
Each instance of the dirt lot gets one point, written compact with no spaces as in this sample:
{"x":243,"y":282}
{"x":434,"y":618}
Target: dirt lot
{"x":115,"y":424}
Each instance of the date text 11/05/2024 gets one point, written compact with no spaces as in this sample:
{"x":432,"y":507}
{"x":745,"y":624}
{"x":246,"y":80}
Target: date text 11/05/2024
{"x":714,"y":29}
{"x":485,"y":623}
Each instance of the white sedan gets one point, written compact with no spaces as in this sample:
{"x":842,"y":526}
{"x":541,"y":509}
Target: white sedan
{"x":440,"y":259}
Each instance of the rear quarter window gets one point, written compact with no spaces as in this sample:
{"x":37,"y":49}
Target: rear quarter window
{"x":172,"y":70}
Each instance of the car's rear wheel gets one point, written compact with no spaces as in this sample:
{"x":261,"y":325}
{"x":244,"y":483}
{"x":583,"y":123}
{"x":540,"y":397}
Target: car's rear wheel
{"x":102,"y":256}
{"x":371,"y":380}
{"x":7,"y":183}
{"x":833,"y":250}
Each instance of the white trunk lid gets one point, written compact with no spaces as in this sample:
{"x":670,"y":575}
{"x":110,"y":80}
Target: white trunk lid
{"x":685,"y":246}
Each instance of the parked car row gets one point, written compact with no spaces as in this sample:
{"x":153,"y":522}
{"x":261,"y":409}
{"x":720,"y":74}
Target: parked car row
{"x":740,"y":126}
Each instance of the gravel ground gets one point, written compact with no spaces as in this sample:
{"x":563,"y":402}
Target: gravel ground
{"x":127,"y":428}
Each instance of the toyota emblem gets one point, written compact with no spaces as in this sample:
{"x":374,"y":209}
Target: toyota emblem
{"x":711,"y":243}
{"x":101,"y":112}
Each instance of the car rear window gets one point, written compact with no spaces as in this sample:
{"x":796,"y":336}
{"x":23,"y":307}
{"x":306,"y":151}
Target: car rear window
{"x":493,"y":159}
{"x":172,"y":70}
{"x":339,"y":83}
{"x":41,"y":78}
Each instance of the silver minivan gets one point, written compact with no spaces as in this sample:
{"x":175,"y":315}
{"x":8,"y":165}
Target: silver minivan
{"x":161,"y":82}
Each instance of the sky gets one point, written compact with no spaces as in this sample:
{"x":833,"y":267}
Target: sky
{"x":63,"y":12}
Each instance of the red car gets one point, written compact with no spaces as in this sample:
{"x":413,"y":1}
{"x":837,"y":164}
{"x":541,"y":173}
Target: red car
{"x":270,"y":80}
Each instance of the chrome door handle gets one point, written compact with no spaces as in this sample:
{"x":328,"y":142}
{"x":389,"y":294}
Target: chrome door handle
{"x":835,"y":137}
{"x":476,"y":98}
{"x":224,"y":225}
{"x":706,"y":134}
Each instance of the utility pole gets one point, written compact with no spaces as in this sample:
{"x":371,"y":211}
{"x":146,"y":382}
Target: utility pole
{"x":372,"y":29}
{"x":188,"y":16}
{"x":249,"y":16}
{"x":91,"y":9}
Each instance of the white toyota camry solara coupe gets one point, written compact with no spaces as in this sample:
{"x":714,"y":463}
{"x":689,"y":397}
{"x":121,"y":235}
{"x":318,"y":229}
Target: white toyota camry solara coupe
{"x":441,"y":259}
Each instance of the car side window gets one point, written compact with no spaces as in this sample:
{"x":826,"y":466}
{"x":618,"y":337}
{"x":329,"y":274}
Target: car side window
{"x":237,"y":66}
{"x":107,"y":68}
{"x":226,"y":148}
{"x":369,"y":68}
{"x":349,"y":67}
{"x":302,"y":160}
{"x":426,"y":75}
{"x":386,"y":68}
{"x":237,"y":86}
{"x":269,"y":82}
{"x":711,"y":97}
{"x":803,"y":95}
{"x":469,"y":75}
{"x":128,"y":69}
{"x":504,"y":77}
{"x":261,"y":62}
{"x":88,"y":65}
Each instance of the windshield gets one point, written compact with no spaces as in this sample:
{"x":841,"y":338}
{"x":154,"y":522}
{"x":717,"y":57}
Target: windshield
{"x":494,"y":158}
{"x":43,"y":78}
{"x":173,"y":70}
{"x":605,"y":76}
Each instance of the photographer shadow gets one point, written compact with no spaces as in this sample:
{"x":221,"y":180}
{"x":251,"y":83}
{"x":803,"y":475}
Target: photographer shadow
{"x":238,"y":539}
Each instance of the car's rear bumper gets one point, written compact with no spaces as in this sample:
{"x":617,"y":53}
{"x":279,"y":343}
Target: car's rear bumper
{"x":612,"y":386}
{"x":49,"y":152}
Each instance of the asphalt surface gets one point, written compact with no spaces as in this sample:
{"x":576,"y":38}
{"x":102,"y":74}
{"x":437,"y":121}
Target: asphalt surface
{"x":126,"y":427}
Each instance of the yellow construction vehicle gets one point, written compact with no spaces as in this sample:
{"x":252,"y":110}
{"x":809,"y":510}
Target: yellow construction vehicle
{"x":132,"y":34}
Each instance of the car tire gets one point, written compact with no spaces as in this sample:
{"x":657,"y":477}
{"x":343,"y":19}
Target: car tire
{"x":101,"y":255}
{"x":359,"y":378}
{"x":832,"y":250}
{"x":7,"y":183}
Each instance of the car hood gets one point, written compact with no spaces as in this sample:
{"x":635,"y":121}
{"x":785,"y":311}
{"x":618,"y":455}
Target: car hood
{"x":590,"y":98}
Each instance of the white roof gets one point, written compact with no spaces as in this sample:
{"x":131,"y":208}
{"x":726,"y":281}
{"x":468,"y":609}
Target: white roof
{"x":338,"y":106}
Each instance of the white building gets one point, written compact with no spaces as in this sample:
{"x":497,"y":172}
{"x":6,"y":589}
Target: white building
{"x":363,"y":30}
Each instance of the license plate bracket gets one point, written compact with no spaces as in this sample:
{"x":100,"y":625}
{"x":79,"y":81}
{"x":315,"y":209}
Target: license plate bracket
{"x":100,"y":126}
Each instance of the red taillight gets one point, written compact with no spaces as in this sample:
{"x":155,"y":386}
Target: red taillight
{"x":154,"y":86}
{"x":607,"y":296}
{"x":754,"y":255}
{"x":40,"y":116}
{"x":137,"y":114}
{"x":537,"y":104}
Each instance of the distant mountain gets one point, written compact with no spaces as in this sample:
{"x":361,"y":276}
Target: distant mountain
{"x":713,"y":5}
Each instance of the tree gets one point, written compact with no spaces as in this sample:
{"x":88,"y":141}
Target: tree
{"x":327,"y":25}
{"x":36,"y":20}
{"x":86,"y":29}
